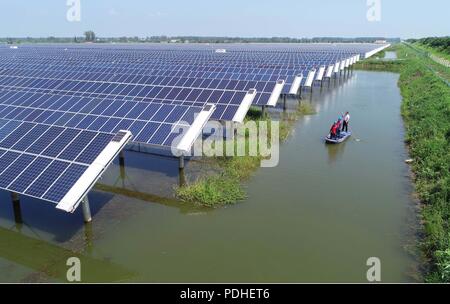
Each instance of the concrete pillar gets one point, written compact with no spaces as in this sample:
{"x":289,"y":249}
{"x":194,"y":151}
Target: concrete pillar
{"x":122,"y":167}
{"x":182,"y":177}
{"x":86,"y":210}
{"x":181,"y":162}
{"x":16,"y":208}
{"x":122,"y":158}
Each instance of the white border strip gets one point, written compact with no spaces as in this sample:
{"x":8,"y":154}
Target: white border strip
{"x":310,"y":78}
{"x":244,"y":106}
{"x":196,"y":128}
{"x":337,"y":67}
{"x":329,"y":71}
{"x":276,"y":93}
{"x":371,"y":53}
{"x":296,"y":84}
{"x":320,"y":73}
{"x":75,"y":195}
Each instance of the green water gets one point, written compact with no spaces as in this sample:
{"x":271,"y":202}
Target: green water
{"x":316,"y":217}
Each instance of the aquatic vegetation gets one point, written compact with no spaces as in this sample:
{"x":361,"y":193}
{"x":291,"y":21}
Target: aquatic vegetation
{"x":213,"y":190}
{"x":306,"y":108}
{"x":226,"y":187}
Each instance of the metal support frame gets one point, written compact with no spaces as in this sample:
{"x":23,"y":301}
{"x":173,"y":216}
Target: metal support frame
{"x":263,"y":111}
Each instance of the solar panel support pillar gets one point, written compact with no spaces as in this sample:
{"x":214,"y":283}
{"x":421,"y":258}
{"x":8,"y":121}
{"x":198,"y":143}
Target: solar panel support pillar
{"x":284,"y":102}
{"x":122,"y":165}
{"x":263,"y":111}
{"x":86,"y":210}
{"x":182,"y":177}
{"x":122,"y":158}
{"x":16,"y":208}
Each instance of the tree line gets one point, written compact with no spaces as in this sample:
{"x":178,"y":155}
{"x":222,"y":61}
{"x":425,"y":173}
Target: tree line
{"x":441,"y":44}
{"x":90,"y":36}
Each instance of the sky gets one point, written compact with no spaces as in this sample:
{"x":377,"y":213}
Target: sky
{"x":231,"y":18}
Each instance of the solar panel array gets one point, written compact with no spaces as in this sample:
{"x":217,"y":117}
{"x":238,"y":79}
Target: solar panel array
{"x":66,"y":110}
{"x":151,"y":123}
{"x":45,"y":161}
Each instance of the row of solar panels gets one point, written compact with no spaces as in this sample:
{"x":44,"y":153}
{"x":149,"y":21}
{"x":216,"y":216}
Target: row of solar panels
{"x":132,"y":66}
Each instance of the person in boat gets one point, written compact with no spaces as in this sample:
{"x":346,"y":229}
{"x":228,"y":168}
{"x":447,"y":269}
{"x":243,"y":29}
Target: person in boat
{"x":345,"y":122}
{"x":338,"y":127}
{"x":333,"y":130}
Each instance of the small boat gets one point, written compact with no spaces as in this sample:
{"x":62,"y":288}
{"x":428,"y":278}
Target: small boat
{"x":343,"y":137}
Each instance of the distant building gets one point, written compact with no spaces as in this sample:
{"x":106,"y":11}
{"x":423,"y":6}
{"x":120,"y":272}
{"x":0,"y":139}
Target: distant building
{"x":381,"y":41}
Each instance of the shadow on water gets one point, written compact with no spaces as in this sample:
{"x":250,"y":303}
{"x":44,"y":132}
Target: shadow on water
{"x":44,"y":217}
{"x":48,"y":262}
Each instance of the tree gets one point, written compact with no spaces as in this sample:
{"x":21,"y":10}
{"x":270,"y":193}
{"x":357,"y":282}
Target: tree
{"x":89,"y":36}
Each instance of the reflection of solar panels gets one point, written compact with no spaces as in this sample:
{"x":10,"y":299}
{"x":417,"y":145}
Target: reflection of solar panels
{"x":46,"y":162}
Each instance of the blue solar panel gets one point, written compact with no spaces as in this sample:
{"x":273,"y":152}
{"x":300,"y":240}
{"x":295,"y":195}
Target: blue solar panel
{"x":46,"y":161}
{"x":25,"y":179}
{"x":64,"y":182}
{"x":48,"y":177}
{"x":15,"y":169}
{"x":57,"y":146}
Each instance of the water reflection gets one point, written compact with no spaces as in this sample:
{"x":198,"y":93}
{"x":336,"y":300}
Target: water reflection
{"x":335,"y":152}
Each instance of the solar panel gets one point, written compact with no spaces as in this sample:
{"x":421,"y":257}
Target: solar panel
{"x":46,"y":162}
{"x":143,"y":119}
{"x":125,"y":70}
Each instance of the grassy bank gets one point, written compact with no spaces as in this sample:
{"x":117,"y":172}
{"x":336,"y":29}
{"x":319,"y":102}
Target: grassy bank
{"x":226,"y":187}
{"x":426,"y":113}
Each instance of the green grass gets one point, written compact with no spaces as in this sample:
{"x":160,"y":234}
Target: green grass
{"x":226,"y":187}
{"x":379,"y":65}
{"x":213,"y":190}
{"x":414,"y":53}
{"x":306,"y":109}
{"x":438,"y":52}
{"x":426,"y":113}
